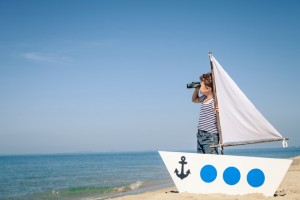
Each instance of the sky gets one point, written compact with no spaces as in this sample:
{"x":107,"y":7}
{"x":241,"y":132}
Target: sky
{"x":111,"y":75}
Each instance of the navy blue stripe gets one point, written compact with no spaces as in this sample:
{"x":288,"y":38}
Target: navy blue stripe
{"x":207,"y":118}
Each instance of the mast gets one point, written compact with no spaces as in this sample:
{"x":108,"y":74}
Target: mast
{"x":216,"y":103}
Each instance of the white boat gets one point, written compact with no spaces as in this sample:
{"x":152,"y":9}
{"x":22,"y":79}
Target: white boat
{"x":239,"y":123}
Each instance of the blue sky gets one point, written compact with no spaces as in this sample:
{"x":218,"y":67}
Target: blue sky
{"x":111,"y":75}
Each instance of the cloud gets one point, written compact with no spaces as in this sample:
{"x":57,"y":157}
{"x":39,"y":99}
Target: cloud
{"x":46,"y":57}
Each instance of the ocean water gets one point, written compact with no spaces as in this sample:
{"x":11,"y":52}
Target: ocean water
{"x":79,"y":176}
{"x":94,"y":175}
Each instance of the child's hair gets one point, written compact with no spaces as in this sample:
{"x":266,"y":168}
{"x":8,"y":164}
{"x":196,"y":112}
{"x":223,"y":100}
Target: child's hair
{"x":207,"y":80}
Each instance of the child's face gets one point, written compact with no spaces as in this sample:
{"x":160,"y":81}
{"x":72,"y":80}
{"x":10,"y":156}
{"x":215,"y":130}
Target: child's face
{"x":205,"y":90}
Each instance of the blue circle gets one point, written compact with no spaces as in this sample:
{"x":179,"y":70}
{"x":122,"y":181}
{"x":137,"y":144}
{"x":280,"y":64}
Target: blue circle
{"x":255,"y":178}
{"x":231,"y":175}
{"x":208,"y":173}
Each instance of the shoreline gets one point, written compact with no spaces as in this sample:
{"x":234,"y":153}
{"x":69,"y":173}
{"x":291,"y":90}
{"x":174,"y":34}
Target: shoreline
{"x":140,"y":191}
{"x":288,"y":190}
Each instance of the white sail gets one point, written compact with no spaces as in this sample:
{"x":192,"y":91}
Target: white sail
{"x":240,"y":121}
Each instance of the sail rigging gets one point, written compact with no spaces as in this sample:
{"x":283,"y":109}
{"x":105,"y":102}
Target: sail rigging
{"x":239,"y":120}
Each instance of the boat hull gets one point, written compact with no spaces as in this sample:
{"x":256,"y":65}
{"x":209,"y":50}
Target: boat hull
{"x":232,"y":175}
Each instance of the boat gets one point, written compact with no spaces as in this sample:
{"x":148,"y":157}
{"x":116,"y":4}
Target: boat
{"x":239,"y":123}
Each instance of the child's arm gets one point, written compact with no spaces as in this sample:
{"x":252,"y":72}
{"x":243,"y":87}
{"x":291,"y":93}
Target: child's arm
{"x":196,"y":98}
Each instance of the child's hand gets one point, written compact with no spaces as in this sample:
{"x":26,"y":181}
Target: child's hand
{"x":216,"y":109}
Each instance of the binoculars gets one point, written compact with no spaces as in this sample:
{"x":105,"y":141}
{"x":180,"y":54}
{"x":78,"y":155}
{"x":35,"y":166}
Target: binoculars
{"x":193,"y":85}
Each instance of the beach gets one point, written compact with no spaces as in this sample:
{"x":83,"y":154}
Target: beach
{"x":119,"y":175}
{"x":289,"y":189}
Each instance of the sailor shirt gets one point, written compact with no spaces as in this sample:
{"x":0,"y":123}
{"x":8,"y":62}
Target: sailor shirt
{"x":207,"y":119}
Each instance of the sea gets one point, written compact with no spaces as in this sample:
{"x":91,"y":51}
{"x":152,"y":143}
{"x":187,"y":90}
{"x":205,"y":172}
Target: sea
{"x":95,"y":176}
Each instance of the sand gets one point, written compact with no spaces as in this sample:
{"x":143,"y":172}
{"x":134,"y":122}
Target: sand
{"x":288,"y":190}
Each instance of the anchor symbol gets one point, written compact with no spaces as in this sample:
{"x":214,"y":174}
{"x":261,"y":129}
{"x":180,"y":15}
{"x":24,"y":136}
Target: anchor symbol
{"x":182,"y":175}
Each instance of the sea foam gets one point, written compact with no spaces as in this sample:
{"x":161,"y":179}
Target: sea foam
{"x":132,"y":186}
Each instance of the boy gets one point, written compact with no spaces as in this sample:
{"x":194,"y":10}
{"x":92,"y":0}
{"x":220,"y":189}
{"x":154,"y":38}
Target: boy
{"x":207,"y":126}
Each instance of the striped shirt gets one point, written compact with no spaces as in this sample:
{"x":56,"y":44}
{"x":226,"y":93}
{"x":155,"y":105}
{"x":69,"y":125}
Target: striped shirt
{"x":207,"y":119}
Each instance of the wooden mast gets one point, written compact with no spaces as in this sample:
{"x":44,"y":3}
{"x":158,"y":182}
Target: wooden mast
{"x":216,"y":103}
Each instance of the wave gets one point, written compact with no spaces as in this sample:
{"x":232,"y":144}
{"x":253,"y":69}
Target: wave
{"x":73,"y":193}
{"x":86,"y":192}
{"x":132,"y":186}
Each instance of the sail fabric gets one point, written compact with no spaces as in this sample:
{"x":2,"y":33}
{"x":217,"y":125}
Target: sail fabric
{"x":240,"y":121}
